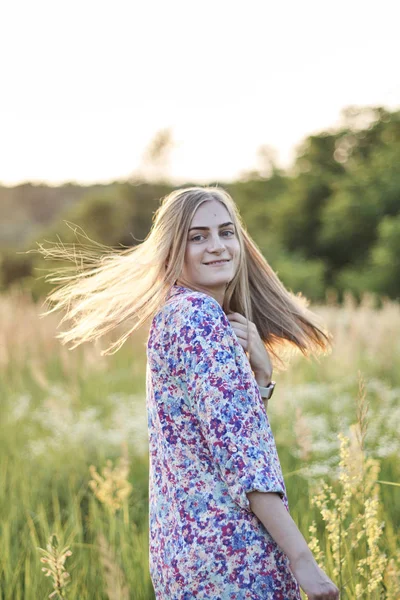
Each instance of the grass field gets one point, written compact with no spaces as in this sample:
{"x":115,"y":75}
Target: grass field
{"x":74,"y":463}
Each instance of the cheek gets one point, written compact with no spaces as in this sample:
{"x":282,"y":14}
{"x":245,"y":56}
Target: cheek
{"x":192,"y":256}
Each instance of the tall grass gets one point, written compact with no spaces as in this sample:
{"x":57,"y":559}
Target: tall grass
{"x":74,"y":462}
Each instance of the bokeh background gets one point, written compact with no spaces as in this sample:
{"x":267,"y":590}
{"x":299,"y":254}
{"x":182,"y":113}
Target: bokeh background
{"x":294,"y":108}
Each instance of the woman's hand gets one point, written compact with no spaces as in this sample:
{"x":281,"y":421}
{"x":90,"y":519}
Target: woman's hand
{"x":253,"y":344}
{"x":313,"y":581}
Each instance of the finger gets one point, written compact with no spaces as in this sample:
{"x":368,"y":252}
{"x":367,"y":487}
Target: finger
{"x":239,"y":327}
{"x":234,"y":319}
{"x":237,"y":317}
{"x":239,"y":331}
{"x":242,"y":339}
{"x":243,"y":344}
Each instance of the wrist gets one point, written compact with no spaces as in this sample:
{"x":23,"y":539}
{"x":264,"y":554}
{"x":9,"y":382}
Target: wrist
{"x":302,"y":559}
{"x":262,"y":378}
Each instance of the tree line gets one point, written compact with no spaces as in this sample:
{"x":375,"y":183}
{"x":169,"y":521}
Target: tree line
{"x":329,"y":223}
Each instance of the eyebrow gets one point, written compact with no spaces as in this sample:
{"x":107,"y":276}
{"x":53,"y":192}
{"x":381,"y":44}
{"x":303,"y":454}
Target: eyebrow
{"x":207,"y":228}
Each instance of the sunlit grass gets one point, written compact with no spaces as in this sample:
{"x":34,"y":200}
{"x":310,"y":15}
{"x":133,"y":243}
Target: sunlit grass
{"x":73,"y":454}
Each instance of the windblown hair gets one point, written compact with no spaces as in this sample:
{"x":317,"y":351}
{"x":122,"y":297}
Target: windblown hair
{"x":132,"y":284}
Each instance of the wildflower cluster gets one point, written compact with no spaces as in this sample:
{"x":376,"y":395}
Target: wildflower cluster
{"x":112,"y":488}
{"x":55,"y":559}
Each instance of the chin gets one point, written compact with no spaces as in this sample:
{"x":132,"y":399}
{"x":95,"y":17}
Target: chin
{"x":216,"y":283}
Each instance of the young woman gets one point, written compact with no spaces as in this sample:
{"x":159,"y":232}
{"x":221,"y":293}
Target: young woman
{"x":219,"y":521}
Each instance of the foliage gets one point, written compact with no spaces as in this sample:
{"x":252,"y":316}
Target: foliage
{"x":336,"y":211}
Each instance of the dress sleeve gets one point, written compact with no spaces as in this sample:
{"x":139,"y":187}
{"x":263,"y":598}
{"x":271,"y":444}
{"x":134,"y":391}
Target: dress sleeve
{"x":242,"y":448}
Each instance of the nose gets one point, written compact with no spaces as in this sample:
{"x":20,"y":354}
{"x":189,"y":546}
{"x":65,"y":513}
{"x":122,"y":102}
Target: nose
{"x":215,"y":243}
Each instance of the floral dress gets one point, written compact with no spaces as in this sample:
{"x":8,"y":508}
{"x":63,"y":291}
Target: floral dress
{"x":210,"y":442}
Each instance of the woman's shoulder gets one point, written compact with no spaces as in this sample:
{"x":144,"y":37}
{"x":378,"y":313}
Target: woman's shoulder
{"x":184,"y":299}
{"x":184,"y":306}
{"x":185,"y":315}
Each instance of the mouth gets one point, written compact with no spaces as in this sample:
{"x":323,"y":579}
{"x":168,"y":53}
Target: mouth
{"x":218,"y":262}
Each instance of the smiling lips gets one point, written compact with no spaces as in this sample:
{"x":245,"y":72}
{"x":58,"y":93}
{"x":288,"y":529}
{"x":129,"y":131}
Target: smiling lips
{"x":218,"y":262}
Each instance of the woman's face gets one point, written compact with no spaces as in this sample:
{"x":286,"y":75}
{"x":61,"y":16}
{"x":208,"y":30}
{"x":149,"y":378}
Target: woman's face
{"x":211,"y":237}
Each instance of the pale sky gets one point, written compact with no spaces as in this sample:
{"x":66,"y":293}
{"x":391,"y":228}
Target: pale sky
{"x":85,"y":85}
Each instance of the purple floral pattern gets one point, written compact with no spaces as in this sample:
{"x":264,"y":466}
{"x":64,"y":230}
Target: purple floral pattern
{"x":210,"y":442}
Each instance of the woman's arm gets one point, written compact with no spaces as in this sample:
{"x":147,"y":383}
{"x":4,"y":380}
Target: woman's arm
{"x":271,"y":511}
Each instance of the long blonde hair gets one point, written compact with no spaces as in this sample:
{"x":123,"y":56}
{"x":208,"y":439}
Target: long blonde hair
{"x":132,"y":284}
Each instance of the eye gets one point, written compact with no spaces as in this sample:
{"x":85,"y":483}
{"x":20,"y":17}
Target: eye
{"x":196,"y":237}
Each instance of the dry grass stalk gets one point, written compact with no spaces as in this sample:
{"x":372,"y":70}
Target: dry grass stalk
{"x":303,"y":435}
{"x":38,"y":373}
{"x":358,"y":486}
{"x":362,"y":330}
{"x":117,"y":588}
{"x":392,"y":578}
{"x":55,"y":559}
